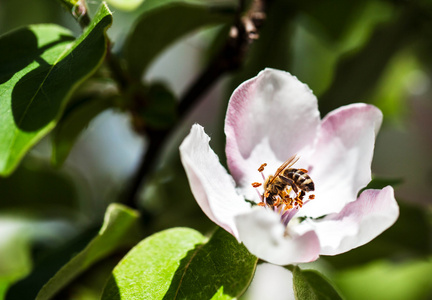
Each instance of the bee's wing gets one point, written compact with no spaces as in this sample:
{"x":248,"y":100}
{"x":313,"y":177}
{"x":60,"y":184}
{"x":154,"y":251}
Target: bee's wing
{"x":288,"y":163}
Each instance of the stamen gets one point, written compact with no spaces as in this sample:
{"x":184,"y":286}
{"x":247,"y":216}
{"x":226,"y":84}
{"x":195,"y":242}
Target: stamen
{"x":298,"y":202}
{"x":285,"y":201}
{"x":260,"y":196}
{"x":277,"y":202}
{"x":261,"y":168}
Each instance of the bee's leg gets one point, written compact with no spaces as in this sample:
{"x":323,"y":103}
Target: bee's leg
{"x":269,"y":200}
{"x":277,"y":202}
{"x":301,"y":195}
{"x":299,"y":199}
{"x":287,"y":191}
{"x":291,"y":183}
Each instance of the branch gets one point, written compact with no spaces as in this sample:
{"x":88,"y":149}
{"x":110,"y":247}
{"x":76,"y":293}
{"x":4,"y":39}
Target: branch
{"x":242,"y":34}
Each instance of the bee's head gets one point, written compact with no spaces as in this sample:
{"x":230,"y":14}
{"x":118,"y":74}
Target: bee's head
{"x":266,"y":182}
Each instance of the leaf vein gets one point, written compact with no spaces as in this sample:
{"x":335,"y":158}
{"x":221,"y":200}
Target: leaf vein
{"x":186,"y":268}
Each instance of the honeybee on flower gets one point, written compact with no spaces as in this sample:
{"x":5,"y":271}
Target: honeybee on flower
{"x":332,"y":159}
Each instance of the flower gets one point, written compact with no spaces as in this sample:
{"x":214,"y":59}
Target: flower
{"x":270,"y":118}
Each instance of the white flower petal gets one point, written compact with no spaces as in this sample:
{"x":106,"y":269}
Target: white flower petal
{"x":212,"y":186}
{"x":269,"y":118}
{"x":341,"y":161}
{"x":263,"y":284}
{"x":357,"y":224}
{"x":262,"y":232}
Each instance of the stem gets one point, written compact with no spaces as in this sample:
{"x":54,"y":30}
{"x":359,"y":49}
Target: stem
{"x":78,"y":9}
{"x":242,"y":34}
{"x":156,"y":139}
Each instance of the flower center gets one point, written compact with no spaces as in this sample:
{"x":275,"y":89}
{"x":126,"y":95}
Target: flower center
{"x":285,"y":191}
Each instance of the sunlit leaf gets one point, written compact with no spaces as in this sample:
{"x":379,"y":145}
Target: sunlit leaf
{"x":37,"y":206}
{"x":384,"y":280}
{"x":180,"y":262}
{"x":40,"y":66}
{"x":311,"y":285}
{"x":19,"y":234}
{"x":125,"y":4}
{"x":120,"y":230}
{"x":156,"y":29}
{"x":15,"y":257}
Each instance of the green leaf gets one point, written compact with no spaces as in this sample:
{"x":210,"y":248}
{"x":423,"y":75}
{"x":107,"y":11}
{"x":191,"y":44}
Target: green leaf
{"x":381,"y":182}
{"x":311,"y":285}
{"x":72,"y":124}
{"x":119,"y":230}
{"x":37,"y":209}
{"x":181,"y":263}
{"x":40,"y":66}
{"x":387,"y":280}
{"x":125,"y":4}
{"x":24,"y":237}
{"x":161,"y":110}
{"x":15,"y":255}
{"x":46,"y":190}
{"x":160,"y":27}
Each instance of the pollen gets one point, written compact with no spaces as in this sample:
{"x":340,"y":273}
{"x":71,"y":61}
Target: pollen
{"x":284,"y":192}
{"x":261,"y":168}
{"x":298,"y":202}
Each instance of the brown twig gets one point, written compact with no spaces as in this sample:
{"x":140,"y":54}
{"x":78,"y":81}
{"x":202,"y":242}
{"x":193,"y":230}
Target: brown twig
{"x":243,"y":32}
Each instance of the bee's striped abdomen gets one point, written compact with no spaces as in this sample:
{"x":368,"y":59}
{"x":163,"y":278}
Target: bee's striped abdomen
{"x":301,"y":179}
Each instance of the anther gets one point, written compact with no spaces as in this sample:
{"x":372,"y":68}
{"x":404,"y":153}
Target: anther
{"x":256,"y":184}
{"x":311,"y":197}
{"x":261,"y":168}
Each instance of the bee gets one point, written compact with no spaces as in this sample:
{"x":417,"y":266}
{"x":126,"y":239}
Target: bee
{"x":285,"y":179}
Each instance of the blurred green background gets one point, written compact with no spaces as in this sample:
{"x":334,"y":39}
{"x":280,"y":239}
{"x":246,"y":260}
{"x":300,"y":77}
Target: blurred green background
{"x":369,"y":51}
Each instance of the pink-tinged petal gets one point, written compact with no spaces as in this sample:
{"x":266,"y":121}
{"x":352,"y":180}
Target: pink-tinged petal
{"x":357,"y":224}
{"x":269,"y":118}
{"x":342,"y":157}
{"x":212,"y":186}
{"x":263,"y":234}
